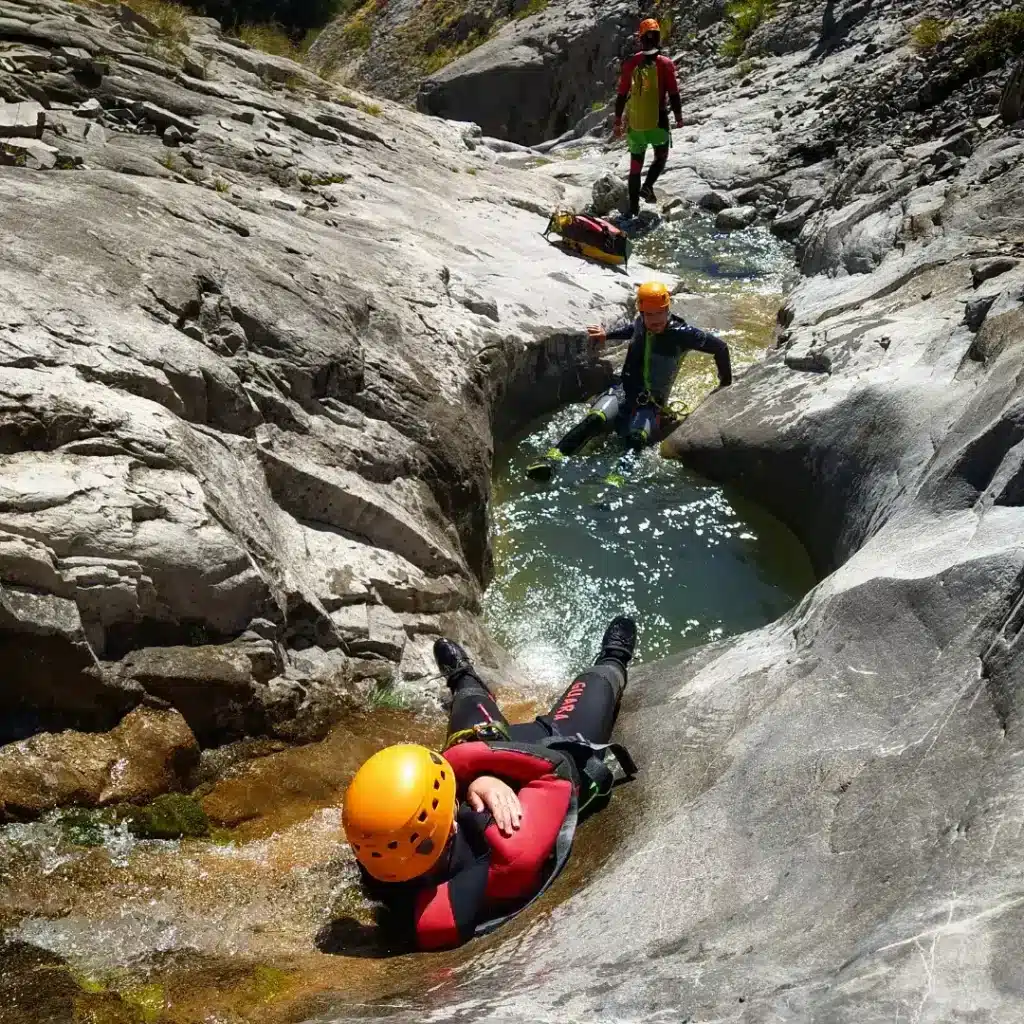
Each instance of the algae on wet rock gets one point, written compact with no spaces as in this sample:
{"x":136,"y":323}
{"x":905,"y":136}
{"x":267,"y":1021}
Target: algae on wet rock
{"x":171,"y":816}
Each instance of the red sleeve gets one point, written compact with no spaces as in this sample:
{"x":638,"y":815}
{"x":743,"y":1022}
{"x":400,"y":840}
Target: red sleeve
{"x":669,"y":81}
{"x":626,"y":78}
{"x":435,"y":919}
{"x":524,"y":854}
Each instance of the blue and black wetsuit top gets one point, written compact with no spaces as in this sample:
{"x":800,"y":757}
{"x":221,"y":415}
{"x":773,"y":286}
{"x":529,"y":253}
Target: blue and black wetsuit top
{"x":653,"y":360}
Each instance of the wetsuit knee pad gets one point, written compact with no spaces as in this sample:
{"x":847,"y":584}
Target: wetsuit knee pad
{"x":607,"y":407}
{"x":636,"y":163}
{"x":641,"y":427}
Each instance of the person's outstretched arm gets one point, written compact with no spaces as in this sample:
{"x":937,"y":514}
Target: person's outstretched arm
{"x":703,"y":341}
{"x":600,"y":335}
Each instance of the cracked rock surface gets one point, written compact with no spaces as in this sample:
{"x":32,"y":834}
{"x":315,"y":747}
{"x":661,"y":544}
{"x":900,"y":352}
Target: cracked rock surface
{"x":253,"y":332}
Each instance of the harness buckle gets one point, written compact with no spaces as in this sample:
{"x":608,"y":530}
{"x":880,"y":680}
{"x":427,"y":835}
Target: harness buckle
{"x":487,"y":732}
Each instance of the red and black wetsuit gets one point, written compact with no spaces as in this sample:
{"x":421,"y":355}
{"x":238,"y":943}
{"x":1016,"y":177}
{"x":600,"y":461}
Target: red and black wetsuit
{"x":668,"y":86}
{"x":668,"y":93}
{"x":486,"y":876}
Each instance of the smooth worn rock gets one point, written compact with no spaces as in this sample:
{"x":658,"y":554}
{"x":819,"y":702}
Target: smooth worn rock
{"x":985,"y":270}
{"x":148,"y":753}
{"x":735,"y":218}
{"x":715,"y":201}
{"x":525,"y":86}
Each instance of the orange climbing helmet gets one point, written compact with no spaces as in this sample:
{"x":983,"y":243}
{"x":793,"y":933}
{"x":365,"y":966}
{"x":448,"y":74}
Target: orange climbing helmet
{"x":648,"y":25}
{"x":653,"y":297}
{"x":399,"y":809}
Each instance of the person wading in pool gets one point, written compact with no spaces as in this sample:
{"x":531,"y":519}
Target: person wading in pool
{"x":648,"y":84}
{"x":658,"y":340}
{"x":454,"y":843}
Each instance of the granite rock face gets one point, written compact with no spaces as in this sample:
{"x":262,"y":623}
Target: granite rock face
{"x":826,"y":827}
{"x":253,"y":332}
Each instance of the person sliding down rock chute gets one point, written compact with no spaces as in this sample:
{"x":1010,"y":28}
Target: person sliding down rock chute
{"x":455,"y":843}
{"x":658,"y":340}
{"x":648,"y":83}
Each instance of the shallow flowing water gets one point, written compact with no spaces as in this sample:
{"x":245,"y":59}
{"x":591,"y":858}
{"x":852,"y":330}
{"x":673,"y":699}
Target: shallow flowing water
{"x":634,"y":532}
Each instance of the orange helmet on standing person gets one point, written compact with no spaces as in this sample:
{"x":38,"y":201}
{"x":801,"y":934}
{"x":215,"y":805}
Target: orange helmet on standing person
{"x":399,"y":809}
{"x":649,"y":34}
{"x":653,"y":297}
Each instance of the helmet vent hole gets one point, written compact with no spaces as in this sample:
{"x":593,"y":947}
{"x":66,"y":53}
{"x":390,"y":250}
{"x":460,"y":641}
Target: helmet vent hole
{"x":375,"y":854}
{"x":427,"y":846}
{"x":437,"y":785}
{"x":393,"y":845}
{"x":414,"y":837}
{"x":423,"y":816}
{"x":434,"y":805}
{"x":443,"y":776}
{"x":436,"y":758}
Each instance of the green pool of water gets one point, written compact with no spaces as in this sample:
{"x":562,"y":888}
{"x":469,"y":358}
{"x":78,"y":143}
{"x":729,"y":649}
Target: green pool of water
{"x":691,"y":561}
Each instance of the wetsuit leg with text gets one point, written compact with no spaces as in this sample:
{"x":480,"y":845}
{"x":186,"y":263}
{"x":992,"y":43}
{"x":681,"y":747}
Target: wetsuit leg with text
{"x":588,"y":707}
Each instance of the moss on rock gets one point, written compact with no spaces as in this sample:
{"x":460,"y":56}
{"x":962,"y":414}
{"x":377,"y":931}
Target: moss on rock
{"x":172,"y":816}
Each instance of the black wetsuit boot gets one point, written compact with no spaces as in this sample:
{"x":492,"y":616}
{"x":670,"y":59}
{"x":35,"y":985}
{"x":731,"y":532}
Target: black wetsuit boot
{"x":660,"y":160}
{"x":587,"y":428}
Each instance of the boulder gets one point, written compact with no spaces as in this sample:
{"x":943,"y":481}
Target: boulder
{"x":735,"y":218}
{"x":164,"y":119}
{"x":789,"y":225}
{"x":149,"y":753}
{"x":1011,"y":102}
{"x":985,"y":270}
{"x":51,"y":676}
{"x":29,"y":153}
{"x":22,"y":120}
{"x":610,"y":193}
{"x":213,"y":688}
{"x":715,"y":201}
{"x":535,"y":78}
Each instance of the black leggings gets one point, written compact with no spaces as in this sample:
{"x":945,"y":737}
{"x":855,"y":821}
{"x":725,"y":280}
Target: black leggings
{"x":587,"y":707}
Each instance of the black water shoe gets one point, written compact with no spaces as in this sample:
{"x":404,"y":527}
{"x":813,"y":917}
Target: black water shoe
{"x":451,"y":658}
{"x":619,"y":639}
{"x":647,"y":192}
{"x":544,"y":467}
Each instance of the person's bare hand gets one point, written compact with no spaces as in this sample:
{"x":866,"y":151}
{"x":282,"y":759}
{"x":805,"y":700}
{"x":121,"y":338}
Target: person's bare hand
{"x":597,"y":334}
{"x":500,"y":799}
{"x":679,"y":122}
{"x":617,"y":130}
